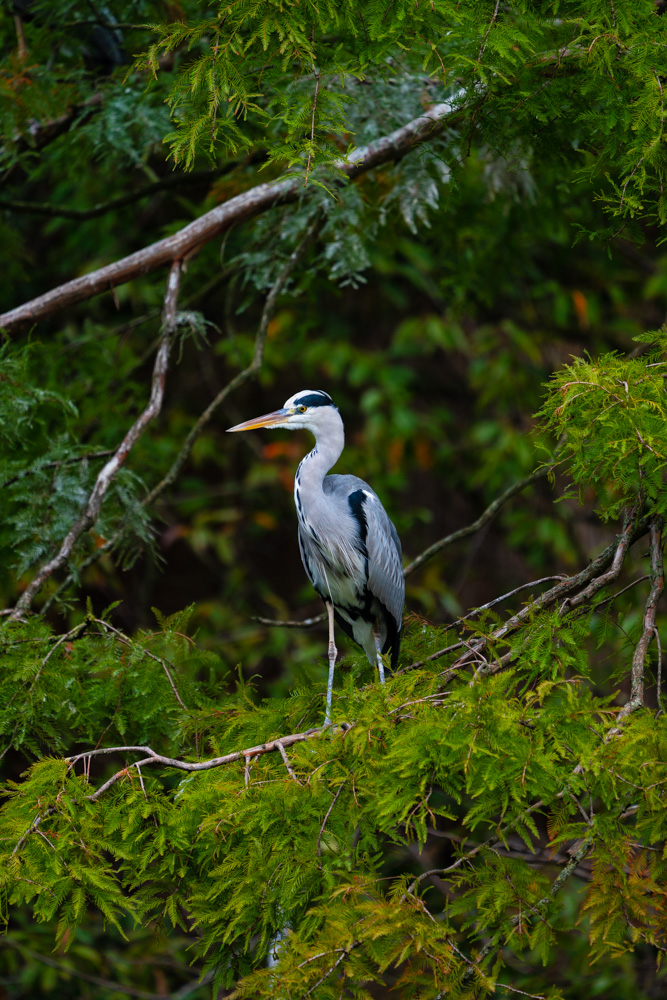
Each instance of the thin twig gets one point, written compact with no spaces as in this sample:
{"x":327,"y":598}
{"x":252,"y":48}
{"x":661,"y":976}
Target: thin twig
{"x":152,"y":656}
{"x":286,"y":762}
{"x":114,"y":204}
{"x":312,"y":125}
{"x":659,"y":678}
{"x":37,"y":467}
{"x":324,"y":822}
{"x":345,"y":954}
{"x":488,"y":31}
{"x":428,"y":554}
{"x":68,"y":970}
{"x":494,"y":944}
{"x":483,"y":519}
{"x":593,"y":578}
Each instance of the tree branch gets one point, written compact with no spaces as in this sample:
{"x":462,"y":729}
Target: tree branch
{"x":40,"y":134}
{"x":244,"y":206}
{"x":107,"y":473}
{"x":636,"y":699}
{"x":483,"y":519}
{"x":595,"y":576}
{"x":271,"y":746}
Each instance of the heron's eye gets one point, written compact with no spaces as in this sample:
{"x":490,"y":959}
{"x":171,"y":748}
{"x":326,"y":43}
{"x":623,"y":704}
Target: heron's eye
{"x":302,"y":409}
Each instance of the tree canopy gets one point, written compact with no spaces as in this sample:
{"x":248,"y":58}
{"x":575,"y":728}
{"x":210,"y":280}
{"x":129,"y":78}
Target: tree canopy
{"x":450,"y":216}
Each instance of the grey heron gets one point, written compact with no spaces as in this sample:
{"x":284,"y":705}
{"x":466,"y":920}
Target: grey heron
{"x":349,"y":547}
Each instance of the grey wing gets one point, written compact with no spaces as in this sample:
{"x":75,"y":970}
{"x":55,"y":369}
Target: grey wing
{"x":311,"y":562}
{"x":385,"y":566}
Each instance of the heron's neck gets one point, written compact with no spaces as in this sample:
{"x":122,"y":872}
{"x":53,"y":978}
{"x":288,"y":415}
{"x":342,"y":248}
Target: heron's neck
{"x":329,"y":442}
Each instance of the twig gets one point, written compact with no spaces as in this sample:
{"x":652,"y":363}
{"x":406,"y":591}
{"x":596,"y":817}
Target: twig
{"x":494,"y":944}
{"x":312,"y":125}
{"x":290,"y":769}
{"x":488,"y":31}
{"x":428,"y":553}
{"x":196,"y":429}
{"x":40,"y":134}
{"x":109,"y":470}
{"x":290,"y":623}
{"x":324,"y":822}
{"x":659,"y":678}
{"x":152,"y":656}
{"x":345,"y":953}
{"x":483,"y":519}
{"x":593,"y":578}
{"x":152,"y":757}
{"x":513,"y":989}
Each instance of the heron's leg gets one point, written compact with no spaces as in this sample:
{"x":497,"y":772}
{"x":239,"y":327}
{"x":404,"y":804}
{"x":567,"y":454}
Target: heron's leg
{"x":333,"y":653}
{"x":378,"y":647}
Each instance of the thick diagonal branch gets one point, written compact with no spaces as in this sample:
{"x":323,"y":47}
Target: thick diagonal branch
{"x":107,"y":473}
{"x":244,"y":206}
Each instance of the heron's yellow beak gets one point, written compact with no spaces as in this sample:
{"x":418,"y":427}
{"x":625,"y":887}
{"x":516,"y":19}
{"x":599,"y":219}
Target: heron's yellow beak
{"x":274,"y":419}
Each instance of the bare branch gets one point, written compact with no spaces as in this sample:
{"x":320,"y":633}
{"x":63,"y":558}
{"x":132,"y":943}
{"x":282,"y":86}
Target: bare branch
{"x":593,"y":578}
{"x":657,"y":585}
{"x":33,"y":469}
{"x":483,"y":519}
{"x":432,"y":550}
{"x":40,"y":134}
{"x":286,"y":762}
{"x":488,"y":31}
{"x":344,"y":954}
{"x":152,"y":757}
{"x":494,"y":943}
{"x":290,"y":622}
{"x":109,"y":470}
{"x":244,"y":206}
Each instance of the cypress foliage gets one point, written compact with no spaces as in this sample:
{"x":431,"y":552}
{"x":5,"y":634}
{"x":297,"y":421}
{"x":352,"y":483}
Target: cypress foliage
{"x":151,"y":784}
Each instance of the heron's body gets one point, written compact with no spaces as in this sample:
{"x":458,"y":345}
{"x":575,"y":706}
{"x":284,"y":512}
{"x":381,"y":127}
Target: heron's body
{"x":350,"y":549}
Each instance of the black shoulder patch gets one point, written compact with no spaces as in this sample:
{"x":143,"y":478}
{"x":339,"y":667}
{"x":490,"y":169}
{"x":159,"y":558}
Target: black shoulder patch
{"x":318,"y":398}
{"x":356,"y":502}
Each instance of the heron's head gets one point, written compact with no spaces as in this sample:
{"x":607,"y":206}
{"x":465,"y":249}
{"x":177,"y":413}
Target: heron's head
{"x":312,"y":409}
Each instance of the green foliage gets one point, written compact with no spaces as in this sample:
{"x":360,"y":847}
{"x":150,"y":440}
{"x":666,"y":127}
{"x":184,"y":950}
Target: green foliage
{"x":237,"y":851}
{"x":477,"y":826}
{"x":612,"y":414}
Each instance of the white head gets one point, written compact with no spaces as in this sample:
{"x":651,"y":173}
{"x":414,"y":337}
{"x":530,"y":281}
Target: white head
{"x":312,"y":409}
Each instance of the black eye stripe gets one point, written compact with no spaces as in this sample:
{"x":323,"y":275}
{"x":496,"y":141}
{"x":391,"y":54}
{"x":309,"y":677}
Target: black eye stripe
{"x":318,"y":398}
